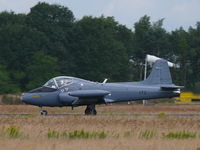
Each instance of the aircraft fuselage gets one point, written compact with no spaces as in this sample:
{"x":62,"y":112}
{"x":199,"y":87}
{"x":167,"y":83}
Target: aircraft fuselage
{"x":118,"y":92}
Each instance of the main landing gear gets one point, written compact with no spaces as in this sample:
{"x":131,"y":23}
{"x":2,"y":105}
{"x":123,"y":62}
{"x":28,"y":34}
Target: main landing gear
{"x":90,"y":110}
{"x":43,"y":112}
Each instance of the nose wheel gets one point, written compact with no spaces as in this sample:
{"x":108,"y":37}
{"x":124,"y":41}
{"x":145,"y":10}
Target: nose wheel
{"x":90,"y":110}
{"x":43,"y":112}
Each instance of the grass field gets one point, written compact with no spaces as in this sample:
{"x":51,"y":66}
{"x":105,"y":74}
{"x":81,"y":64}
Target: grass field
{"x":160,"y":132}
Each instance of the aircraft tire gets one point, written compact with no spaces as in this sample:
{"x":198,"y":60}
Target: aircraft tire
{"x":90,"y":110}
{"x":87,"y":112}
{"x":94,"y":112}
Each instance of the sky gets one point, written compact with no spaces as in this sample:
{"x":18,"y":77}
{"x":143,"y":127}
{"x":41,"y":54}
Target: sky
{"x":176,"y":13}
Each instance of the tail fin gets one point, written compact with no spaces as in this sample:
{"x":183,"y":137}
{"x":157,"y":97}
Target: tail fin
{"x":160,"y":73}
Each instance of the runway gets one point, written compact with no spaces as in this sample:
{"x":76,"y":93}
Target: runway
{"x":116,"y":114}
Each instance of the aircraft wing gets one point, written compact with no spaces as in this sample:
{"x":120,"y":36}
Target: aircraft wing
{"x":88,"y":96}
{"x":89,"y":93}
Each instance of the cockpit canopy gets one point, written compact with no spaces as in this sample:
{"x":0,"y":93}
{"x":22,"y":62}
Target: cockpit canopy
{"x":58,"y":82}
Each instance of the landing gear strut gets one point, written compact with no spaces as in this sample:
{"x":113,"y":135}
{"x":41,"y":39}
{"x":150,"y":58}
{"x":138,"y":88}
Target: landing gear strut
{"x":43,"y":112}
{"x":90,"y":110}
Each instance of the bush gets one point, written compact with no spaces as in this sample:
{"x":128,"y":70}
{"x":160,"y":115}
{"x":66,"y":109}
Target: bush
{"x":127,"y":133}
{"x":53,"y":134}
{"x":14,"y":132}
{"x":147,"y":134}
{"x":180,"y":135}
{"x":80,"y":134}
{"x":11,"y":132}
{"x":86,"y":134}
{"x":162,"y":114}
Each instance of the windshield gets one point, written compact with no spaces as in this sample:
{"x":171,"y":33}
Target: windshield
{"x":63,"y":81}
{"x":58,"y":82}
{"x":50,"y":84}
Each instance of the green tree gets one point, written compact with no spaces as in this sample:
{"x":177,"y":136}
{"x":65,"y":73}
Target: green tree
{"x":194,"y":51}
{"x":143,"y":39}
{"x":181,"y":47}
{"x":150,"y":38}
{"x":98,"y":53}
{"x":18,"y":44}
{"x":56,"y":22}
{"x":48,"y":41}
{"x":11,"y":18}
{"x":42,"y":68}
{"x":6,"y":83}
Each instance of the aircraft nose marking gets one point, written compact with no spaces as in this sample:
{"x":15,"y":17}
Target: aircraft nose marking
{"x":35,"y":96}
{"x":28,"y":98}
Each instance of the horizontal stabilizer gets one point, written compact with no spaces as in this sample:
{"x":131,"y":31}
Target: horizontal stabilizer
{"x":172,"y":87}
{"x":107,"y":100}
{"x":89,"y":93}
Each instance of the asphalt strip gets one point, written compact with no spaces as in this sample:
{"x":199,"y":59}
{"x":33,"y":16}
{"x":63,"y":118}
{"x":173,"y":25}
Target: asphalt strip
{"x":136,"y":115}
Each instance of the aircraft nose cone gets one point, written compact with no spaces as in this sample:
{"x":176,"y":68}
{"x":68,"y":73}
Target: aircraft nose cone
{"x":24,"y":98}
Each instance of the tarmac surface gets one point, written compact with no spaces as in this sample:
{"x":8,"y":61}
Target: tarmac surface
{"x":136,"y":115}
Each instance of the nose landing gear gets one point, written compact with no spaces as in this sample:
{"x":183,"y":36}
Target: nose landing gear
{"x":43,"y":112}
{"x":90,"y":110}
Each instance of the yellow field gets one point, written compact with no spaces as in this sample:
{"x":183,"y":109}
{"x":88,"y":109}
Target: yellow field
{"x":122,"y":132}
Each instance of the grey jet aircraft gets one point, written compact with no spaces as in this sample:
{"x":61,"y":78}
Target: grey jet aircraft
{"x":70,"y":91}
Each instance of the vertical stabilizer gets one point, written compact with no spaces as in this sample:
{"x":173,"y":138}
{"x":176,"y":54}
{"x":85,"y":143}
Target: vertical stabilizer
{"x":160,"y":73}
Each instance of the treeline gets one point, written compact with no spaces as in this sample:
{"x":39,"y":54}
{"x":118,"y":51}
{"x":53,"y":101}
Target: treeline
{"x":49,"y":41}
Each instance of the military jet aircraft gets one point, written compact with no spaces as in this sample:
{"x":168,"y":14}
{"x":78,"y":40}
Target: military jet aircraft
{"x":70,"y":91}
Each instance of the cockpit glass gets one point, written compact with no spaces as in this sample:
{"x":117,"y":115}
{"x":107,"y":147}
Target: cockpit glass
{"x":58,"y":82}
{"x":50,"y":84}
{"x":63,"y":81}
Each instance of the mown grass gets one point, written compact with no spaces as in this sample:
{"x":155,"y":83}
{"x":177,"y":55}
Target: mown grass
{"x":122,"y":131}
{"x":109,"y":109}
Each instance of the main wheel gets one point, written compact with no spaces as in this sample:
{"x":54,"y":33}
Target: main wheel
{"x":87,"y":111}
{"x":94,"y":112}
{"x":90,"y":110}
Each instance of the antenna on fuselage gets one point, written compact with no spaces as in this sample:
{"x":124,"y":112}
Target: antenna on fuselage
{"x":105,"y":80}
